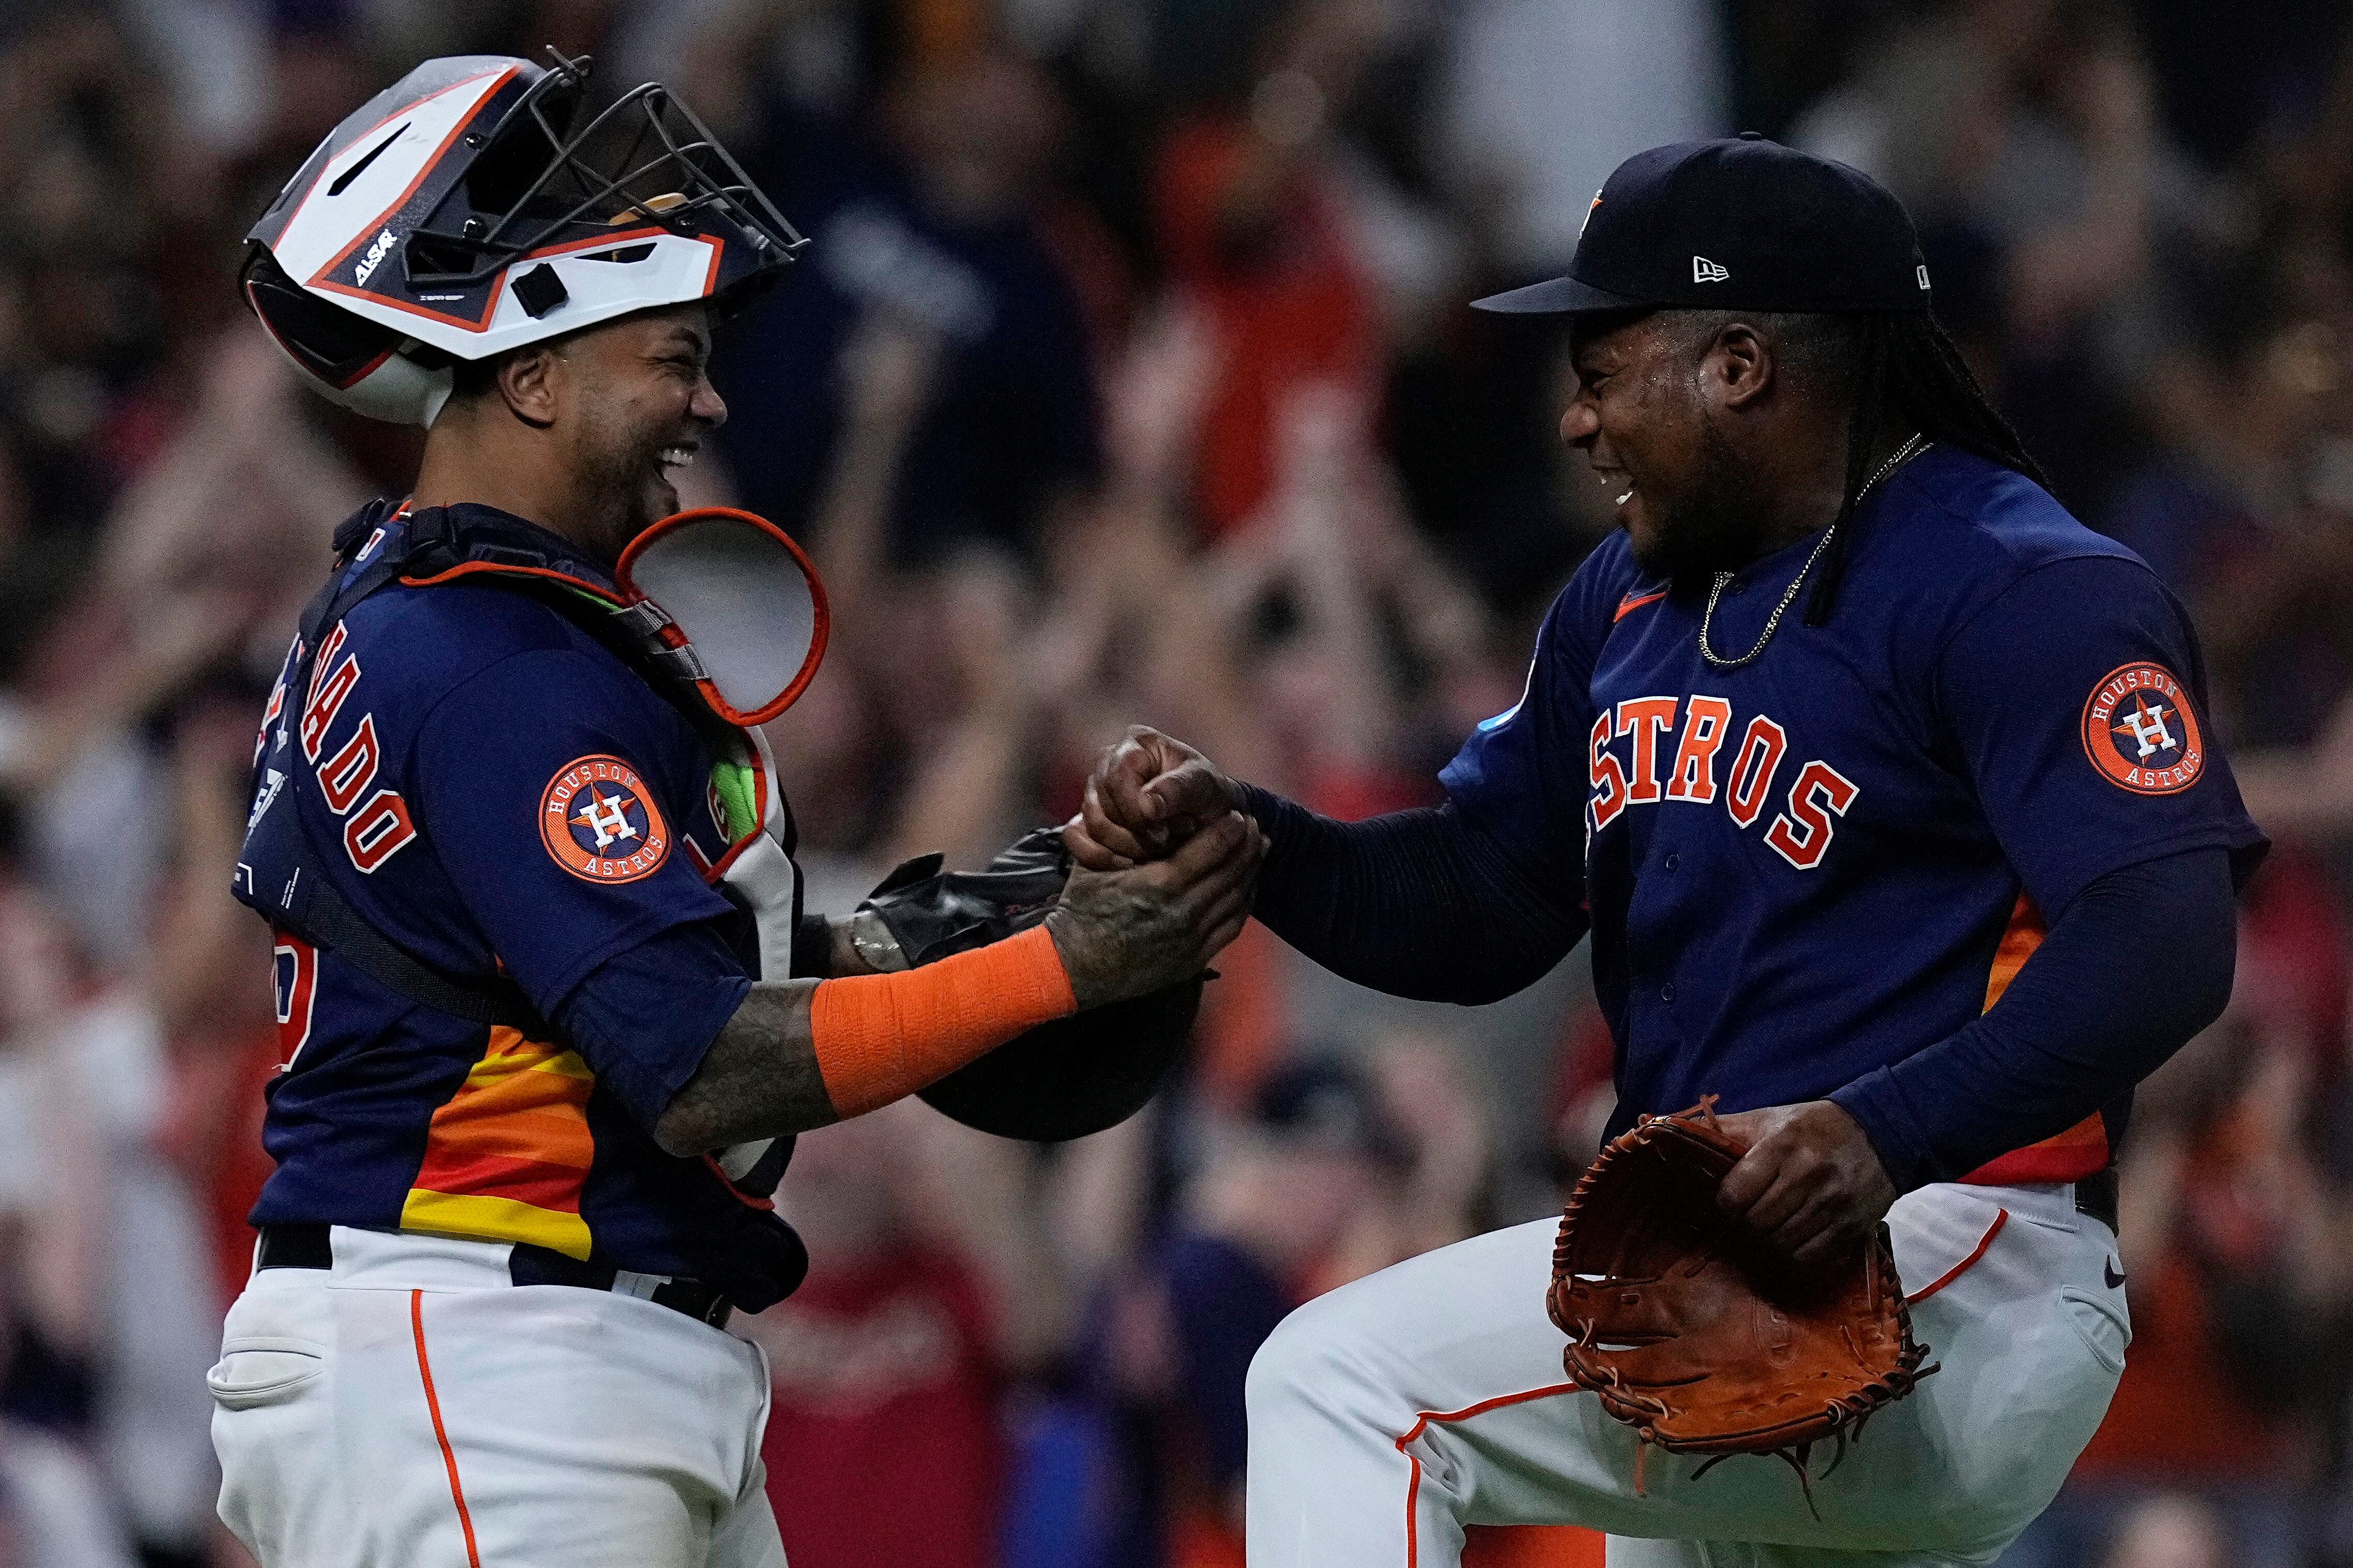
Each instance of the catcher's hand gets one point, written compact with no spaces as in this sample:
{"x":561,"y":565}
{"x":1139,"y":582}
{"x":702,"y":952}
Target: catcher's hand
{"x":1810,"y":1186}
{"x":1695,"y":1332}
{"x":1081,"y":1074}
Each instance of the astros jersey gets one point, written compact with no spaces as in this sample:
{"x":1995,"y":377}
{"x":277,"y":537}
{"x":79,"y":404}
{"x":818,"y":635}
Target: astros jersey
{"x":1810,"y":867}
{"x":502,"y":796}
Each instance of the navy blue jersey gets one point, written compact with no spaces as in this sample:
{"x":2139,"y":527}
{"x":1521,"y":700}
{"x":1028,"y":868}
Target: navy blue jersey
{"x":504,"y":798}
{"x":1812,"y":867}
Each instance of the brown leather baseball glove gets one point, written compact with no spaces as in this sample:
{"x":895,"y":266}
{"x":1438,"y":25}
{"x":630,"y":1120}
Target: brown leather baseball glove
{"x":1698,"y":1336}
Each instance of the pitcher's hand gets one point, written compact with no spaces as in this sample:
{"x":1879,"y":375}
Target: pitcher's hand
{"x":1148,"y":795}
{"x":1811,"y":1184}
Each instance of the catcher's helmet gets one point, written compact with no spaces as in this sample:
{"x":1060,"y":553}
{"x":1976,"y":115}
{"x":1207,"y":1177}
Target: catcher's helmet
{"x":458,"y":215}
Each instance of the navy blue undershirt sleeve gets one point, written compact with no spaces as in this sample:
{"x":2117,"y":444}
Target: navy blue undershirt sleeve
{"x":1522,"y":777}
{"x":644,"y":1018}
{"x":2137,"y":963}
{"x":1418,"y":903}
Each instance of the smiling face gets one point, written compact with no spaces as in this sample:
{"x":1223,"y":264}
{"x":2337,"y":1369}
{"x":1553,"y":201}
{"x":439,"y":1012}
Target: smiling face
{"x":636,"y":402}
{"x":1645,"y":414}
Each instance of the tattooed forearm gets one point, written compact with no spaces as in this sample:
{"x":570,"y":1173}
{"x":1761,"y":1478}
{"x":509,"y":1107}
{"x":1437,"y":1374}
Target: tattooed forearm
{"x":759,"y":1080}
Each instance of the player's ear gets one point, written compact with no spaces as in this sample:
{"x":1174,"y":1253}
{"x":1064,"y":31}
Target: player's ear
{"x":528,"y":383}
{"x":1739,"y":364}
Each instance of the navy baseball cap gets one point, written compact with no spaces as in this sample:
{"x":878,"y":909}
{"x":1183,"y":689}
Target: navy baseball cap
{"x":1742,"y":224}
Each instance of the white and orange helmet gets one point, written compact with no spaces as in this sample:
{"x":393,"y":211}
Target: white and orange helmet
{"x":456,"y":214}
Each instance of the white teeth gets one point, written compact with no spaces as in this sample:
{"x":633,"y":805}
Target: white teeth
{"x":1627,"y":496}
{"x":677,"y":457}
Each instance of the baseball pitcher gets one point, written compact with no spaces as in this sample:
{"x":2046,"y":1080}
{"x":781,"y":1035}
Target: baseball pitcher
{"x":1884,"y":790}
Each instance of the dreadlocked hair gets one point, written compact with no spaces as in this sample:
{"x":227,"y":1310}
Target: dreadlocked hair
{"x":1902,"y":368}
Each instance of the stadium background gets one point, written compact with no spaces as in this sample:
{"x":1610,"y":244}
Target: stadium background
{"x":1129,"y":378}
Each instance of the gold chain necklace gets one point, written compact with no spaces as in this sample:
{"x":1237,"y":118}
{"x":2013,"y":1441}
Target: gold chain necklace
{"x":1895,"y":460}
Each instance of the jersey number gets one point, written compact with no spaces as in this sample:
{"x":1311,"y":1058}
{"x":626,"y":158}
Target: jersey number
{"x":297,"y":964}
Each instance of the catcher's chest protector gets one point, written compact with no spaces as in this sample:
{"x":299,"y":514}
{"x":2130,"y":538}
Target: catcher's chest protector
{"x":736,"y":635}
{"x":735,"y":639}
{"x":1693,"y":1334}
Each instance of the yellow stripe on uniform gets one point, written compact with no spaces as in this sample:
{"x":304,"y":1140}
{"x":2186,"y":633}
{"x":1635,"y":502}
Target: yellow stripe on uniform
{"x":476,"y":1218}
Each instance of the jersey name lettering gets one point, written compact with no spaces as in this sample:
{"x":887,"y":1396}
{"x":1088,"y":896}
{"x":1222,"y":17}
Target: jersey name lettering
{"x":1800,"y":832}
{"x":330,"y":683}
{"x":381,"y":827}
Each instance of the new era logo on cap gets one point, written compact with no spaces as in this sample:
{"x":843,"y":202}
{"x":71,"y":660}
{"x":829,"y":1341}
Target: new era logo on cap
{"x":1740,"y":222}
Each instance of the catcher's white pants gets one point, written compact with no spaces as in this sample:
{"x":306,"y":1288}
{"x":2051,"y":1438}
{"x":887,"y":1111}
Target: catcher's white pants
{"x":1389,"y":1413}
{"x":409,"y":1408}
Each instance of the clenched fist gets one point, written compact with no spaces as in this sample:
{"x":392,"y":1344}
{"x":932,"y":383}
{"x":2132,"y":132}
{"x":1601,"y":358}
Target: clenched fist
{"x":1147,"y":795}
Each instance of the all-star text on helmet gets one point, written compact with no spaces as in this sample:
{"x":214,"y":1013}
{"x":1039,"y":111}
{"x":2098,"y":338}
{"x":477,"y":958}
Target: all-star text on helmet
{"x":456,"y":214}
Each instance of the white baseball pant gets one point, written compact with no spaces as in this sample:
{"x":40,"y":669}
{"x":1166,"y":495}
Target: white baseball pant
{"x":1389,"y":1413}
{"x":410,"y":1408}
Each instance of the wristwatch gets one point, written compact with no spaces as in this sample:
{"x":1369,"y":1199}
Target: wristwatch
{"x":875,"y":944}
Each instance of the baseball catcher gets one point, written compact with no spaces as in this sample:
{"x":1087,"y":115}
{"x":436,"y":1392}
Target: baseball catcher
{"x":550,"y":1009}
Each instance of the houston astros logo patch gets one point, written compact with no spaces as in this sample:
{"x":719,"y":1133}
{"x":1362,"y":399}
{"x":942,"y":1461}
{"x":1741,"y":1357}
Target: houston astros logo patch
{"x":2138,"y":731}
{"x":600,"y":823}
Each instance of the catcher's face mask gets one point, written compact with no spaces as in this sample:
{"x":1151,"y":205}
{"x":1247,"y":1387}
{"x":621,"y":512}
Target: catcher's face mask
{"x":736,"y":606}
{"x":460,"y":214}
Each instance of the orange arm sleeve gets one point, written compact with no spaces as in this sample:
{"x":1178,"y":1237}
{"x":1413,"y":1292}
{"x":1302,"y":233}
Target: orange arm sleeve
{"x":881,"y":1037}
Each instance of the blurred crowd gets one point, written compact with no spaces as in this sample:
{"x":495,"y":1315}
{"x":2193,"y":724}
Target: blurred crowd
{"x":1128,"y":378}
